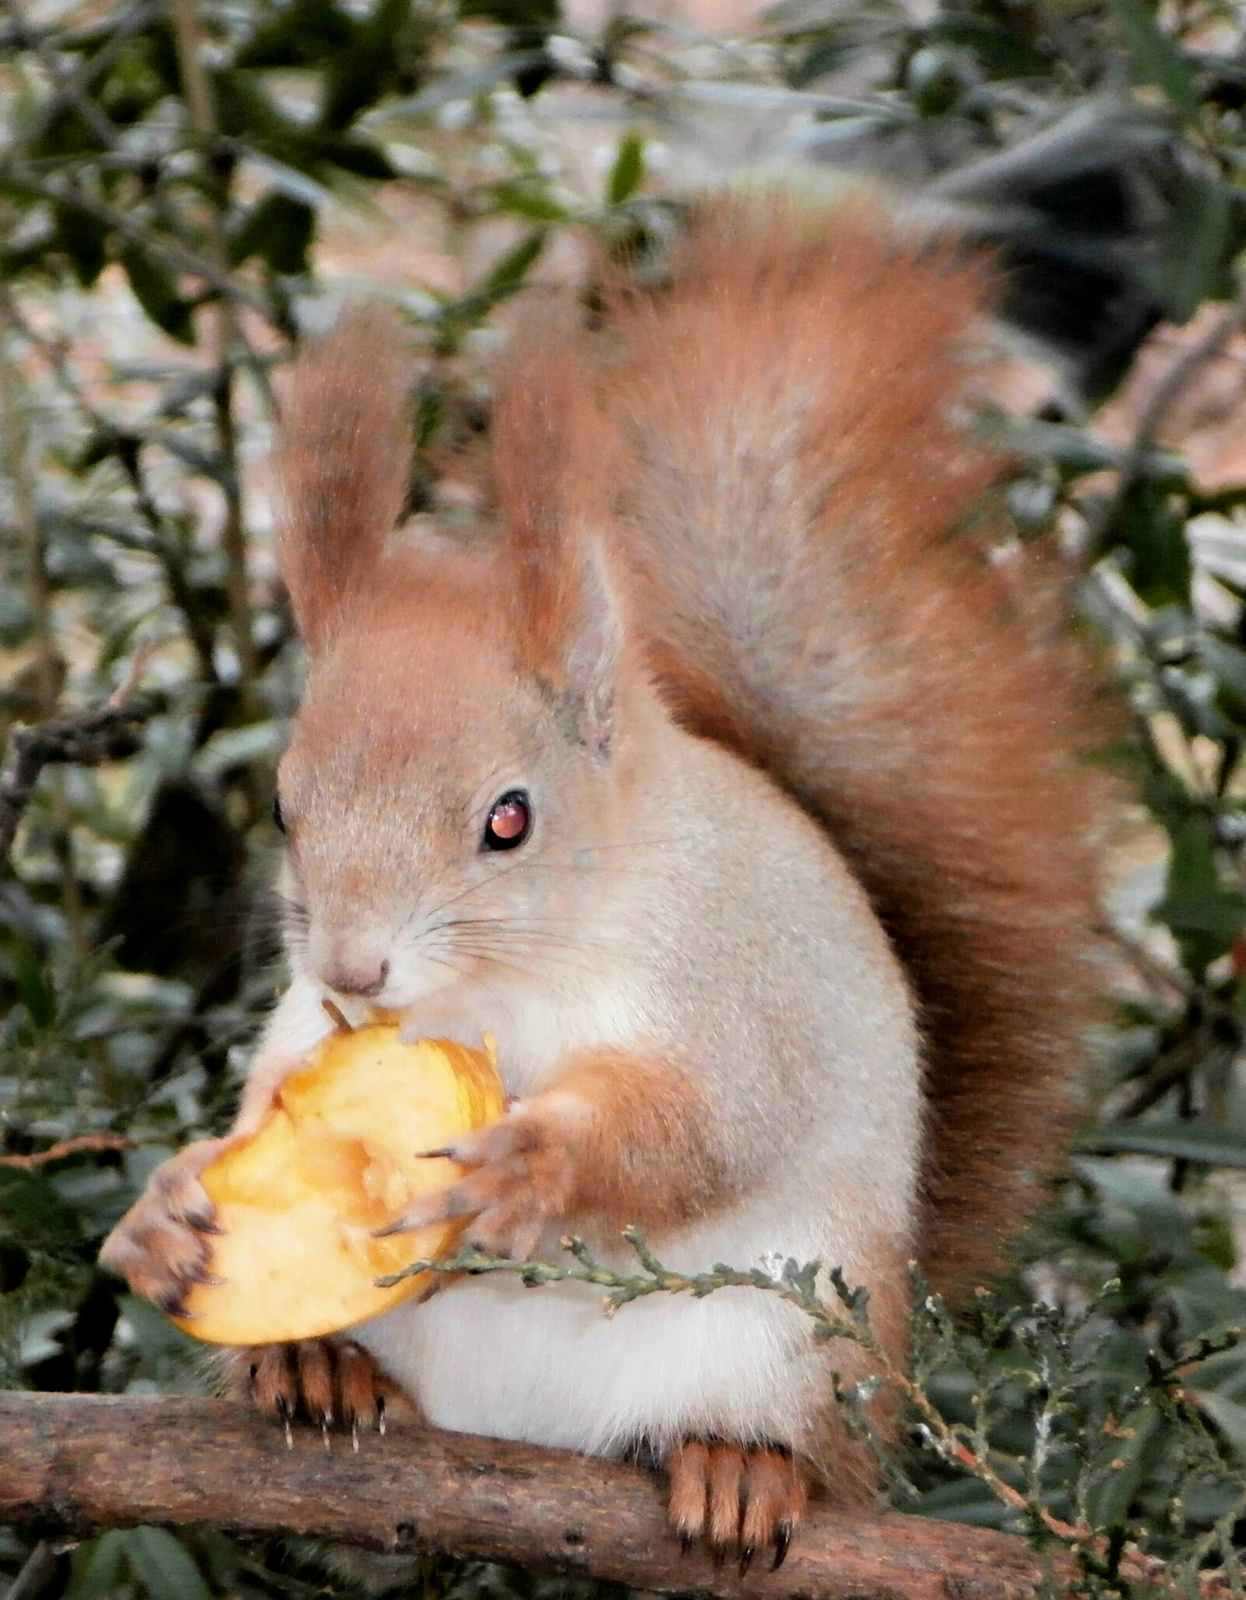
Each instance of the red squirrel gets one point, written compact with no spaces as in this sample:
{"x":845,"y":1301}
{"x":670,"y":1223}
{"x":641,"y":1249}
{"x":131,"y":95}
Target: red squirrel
{"x":735,"y":786}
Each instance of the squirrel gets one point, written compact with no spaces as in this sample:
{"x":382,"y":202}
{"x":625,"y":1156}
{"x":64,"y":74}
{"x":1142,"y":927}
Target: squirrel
{"x":736,"y":783}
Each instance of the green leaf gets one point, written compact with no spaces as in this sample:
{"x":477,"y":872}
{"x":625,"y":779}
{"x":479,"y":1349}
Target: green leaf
{"x":352,"y":81}
{"x":1228,"y":662}
{"x":1205,"y":926}
{"x":512,"y":269}
{"x":1205,"y":918}
{"x":163,"y":1566}
{"x":1123,"y":1472}
{"x":1216,"y":1241}
{"x":457,"y":86}
{"x":532,"y":17}
{"x":299,"y":34}
{"x":234,"y":749}
{"x":628,"y":171}
{"x":998,"y":49}
{"x":32,"y":1213}
{"x":1155,"y":57}
{"x":156,"y":292}
{"x":95,"y":1572}
{"x":1153,"y":531}
{"x":1074,"y":450}
{"x":1197,"y":239}
{"x":359,"y":75}
{"x":1192,"y":867}
{"x":1229,"y":1418}
{"x":1209,"y":1142}
{"x":354,"y":155}
{"x":278,"y":229}
{"x":965,"y":1500}
{"x":528,"y":199}
{"x":34,"y":983}
{"x":83,"y":239}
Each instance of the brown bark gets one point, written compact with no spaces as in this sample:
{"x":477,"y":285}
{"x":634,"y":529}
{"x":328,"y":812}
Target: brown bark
{"x":75,"y":1464}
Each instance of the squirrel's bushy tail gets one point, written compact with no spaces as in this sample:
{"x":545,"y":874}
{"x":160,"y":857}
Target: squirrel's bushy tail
{"x":798,"y":478}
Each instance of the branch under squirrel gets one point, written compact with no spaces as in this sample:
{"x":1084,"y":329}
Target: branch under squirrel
{"x":76,"y":1464}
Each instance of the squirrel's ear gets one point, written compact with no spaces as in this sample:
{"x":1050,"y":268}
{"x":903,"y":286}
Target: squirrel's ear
{"x":342,"y":465}
{"x":552,"y":455}
{"x":591,"y":644}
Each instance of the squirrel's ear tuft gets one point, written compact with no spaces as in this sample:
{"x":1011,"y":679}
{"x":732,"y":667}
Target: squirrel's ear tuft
{"x":342,"y":464}
{"x":552,"y":474}
{"x":591,"y":647}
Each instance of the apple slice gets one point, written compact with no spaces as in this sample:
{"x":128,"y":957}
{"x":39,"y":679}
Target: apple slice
{"x":338,"y":1156}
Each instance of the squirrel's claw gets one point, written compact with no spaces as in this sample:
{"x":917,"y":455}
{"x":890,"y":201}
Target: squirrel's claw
{"x":521,"y":1180}
{"x":448,"y":1205}
{"x":730,"y":1496}
{"x":162,"y":1246}
{"x":336,"y":1386}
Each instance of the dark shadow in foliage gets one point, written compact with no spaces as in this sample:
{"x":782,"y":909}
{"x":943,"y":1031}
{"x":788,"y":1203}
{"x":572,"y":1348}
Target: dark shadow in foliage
{"x":181,"y":906}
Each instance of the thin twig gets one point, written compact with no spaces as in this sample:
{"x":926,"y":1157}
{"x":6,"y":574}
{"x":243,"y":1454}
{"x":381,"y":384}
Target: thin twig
{"x":40,"y":1571}
{"x":68,"y":1147}
{"x":48,"y":667}
{"x":1178,"y":378}
{"x":68,"y":87}
{"x":38,"y":583}
{"x":1146,"y":963}
{"x":1165,"y":395}
{"x":62,"y":188}
{"x":110,"y":733}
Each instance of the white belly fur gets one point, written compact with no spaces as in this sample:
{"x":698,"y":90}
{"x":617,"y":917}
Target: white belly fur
{"x":546,"y":1365}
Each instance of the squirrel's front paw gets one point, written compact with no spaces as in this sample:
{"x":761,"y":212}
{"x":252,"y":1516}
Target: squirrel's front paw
{"x":335,"y":1384}
{"x":737,"y":1498}
{"x":523,"y":1177}
{"x":163,"y":1243}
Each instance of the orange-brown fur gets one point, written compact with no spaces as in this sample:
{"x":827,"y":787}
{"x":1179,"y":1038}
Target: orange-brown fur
{"x":343,"y":464}
{"x":786,"y":452}
{"x":646,"y":1161}
{"x":796,"y":478}
{"x":553,"y":472}
{"x":636,"y":1155}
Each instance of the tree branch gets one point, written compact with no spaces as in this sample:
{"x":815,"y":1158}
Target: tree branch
{"x":110,"y":733}
{"x":77,"y":1464}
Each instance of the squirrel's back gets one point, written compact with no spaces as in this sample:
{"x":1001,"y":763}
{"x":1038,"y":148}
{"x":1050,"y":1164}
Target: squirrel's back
{"x":797,"y":482}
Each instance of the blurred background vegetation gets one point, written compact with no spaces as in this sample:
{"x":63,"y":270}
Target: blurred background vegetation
{"x":188,"y":187}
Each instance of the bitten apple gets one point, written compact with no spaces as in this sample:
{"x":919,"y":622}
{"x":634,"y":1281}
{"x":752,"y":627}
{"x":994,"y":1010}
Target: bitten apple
{"x":339,"y":1156}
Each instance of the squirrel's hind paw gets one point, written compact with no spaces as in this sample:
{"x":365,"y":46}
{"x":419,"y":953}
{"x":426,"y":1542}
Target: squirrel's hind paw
{"x":331,"y":1384}
{"x":736,"y":1498}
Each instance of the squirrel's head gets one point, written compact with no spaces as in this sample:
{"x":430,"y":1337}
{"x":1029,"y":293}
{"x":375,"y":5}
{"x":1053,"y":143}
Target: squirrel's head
{"x":460,"y":758}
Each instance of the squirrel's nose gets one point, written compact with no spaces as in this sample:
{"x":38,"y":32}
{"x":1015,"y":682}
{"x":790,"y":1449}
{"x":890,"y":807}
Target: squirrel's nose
{"x":359,"y":976}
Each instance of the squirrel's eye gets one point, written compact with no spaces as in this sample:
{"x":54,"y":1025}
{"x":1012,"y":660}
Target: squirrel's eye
{"x":510,"y":821}
{"x":277,"y":817}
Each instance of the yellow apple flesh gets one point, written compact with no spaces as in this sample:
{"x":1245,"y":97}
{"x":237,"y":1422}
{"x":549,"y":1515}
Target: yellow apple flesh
{"x":339,"y":1156}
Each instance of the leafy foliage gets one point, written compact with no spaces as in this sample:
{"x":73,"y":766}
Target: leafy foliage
{"x":171,"y":173}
